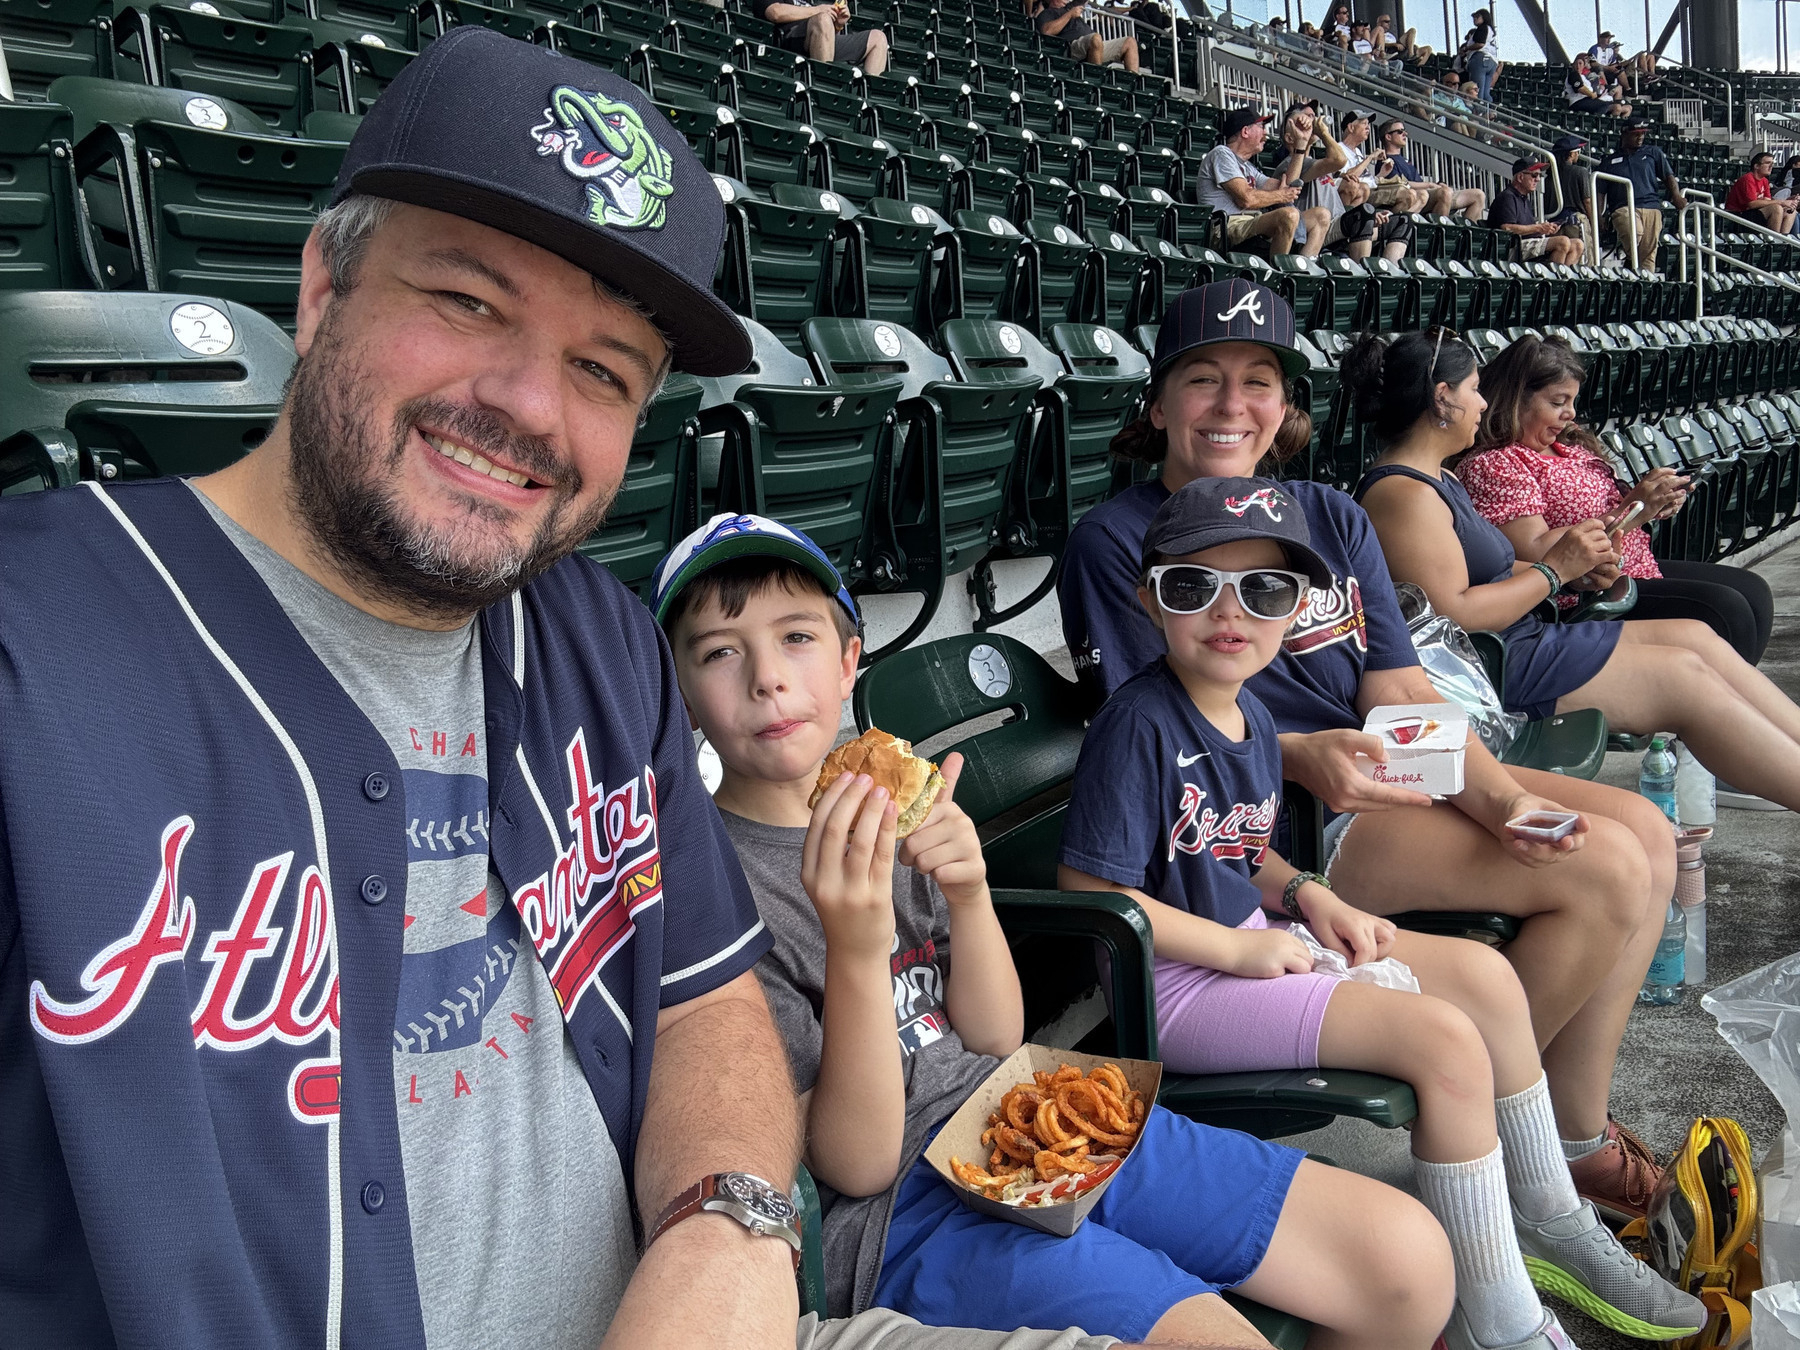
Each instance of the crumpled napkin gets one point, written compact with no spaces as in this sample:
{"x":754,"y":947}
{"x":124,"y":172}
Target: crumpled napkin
{"x":1387,"y":972}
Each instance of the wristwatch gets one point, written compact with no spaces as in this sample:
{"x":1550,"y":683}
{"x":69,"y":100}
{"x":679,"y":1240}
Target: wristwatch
{"x":749,"y":1199}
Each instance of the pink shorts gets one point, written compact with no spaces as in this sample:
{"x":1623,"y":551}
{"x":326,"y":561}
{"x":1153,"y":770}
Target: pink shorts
{"x":1211,"y":1022}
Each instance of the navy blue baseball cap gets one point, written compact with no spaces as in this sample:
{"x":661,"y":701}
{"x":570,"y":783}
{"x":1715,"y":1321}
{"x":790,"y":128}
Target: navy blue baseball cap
{"x":1213,"y":511}
{"x":1228,"y":311}
{"x":564,"y":155}
{"x":1566,"y":143}
{"x":725,"y":537}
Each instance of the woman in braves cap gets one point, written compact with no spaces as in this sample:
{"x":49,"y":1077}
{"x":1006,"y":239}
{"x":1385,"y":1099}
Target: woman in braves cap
{"x":1222,"y":403}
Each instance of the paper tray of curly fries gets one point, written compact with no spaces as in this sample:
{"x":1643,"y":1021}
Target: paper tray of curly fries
{"x":1424,"y":744}
{"x":1040,"y":1141}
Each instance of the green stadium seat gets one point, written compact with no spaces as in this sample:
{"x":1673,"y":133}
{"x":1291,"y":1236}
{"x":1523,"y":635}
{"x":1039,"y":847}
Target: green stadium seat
{"x":777,"y":261}
{"x":262,"y":66}
{"x":1061,"y":286}
{"x":796,"y":451}
{"x":1127,"y":279}
{"x":40,"y":245}
{"x":656,"y":503}
{"x":609,"y":51}
{"x":128,"y":384}
{"x":887,"y":263}
{"x":352,"y":67}
{"x":47,"y":39}
{"x":953,"y":454}
{"x":985,"y":269}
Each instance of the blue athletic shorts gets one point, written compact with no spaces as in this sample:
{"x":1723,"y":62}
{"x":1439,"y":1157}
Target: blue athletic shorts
{"x":1191,"y":1213}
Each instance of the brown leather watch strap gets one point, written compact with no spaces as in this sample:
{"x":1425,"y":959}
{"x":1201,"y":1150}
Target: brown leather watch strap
{"x":689,"y":1203}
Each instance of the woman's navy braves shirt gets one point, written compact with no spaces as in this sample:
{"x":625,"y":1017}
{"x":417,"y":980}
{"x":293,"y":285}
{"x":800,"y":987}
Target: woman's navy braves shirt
{"x":203,"y":871}
{"x":1164,"y":802}
{"x":1312,"y":686}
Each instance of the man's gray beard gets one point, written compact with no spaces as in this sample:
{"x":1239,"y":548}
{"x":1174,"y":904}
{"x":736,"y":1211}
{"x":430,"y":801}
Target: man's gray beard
{"x":345,"y":491}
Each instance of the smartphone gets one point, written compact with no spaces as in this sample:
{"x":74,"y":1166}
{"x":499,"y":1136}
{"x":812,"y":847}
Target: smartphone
{"x":1626,"y":521}
{"x":1544,"y":827}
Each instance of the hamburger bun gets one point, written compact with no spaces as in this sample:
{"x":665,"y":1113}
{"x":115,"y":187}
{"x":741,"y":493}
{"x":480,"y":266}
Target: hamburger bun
{"x":912,"y":782}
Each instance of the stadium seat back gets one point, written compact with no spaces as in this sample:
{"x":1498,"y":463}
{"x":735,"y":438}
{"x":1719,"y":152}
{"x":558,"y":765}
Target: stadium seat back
{"x":889,"y":262}
{"x":228,"y":214}
{"x":47,"y":39}
{"x":148,"y":384}
{"x":265,"y":67}
{"x":38,"y":243}
{"x":777,"y":261}
{"x":984,"y":268}
{"x":654,"y":505}
{"x":610,"y":51}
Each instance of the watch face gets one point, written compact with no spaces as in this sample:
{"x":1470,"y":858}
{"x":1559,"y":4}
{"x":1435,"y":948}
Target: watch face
{"x":756,"y":1195}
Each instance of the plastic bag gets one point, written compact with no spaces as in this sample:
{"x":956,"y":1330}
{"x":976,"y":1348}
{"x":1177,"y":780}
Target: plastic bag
{"x":1759,"y":1017}
{"x":1387,"y":972}
{"x":1775,"y":1317}
{"x":1455,"y":669}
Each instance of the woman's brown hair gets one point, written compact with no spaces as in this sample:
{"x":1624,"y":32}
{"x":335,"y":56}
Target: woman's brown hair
{"x":1142,"y":442}
{"x":1508,"y":382}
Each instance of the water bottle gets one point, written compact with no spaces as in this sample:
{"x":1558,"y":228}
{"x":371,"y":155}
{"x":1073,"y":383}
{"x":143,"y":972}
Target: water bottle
{"x":1656,"y":779}
{"x":1690,"y":894}
{"x":1696,"y":792}
{"x":1662,"y":984}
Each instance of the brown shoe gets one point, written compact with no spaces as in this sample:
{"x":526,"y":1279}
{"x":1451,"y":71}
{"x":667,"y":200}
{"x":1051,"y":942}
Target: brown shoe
{"x":1620,"y":1177}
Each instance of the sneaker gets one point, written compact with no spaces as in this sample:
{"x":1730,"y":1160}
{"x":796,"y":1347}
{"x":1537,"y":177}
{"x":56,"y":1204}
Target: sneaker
{"x":1548,"y":1336}
{"x":1577,"y":1258}
{"x":1618,"y":1178}
{"x":1736,"y":800}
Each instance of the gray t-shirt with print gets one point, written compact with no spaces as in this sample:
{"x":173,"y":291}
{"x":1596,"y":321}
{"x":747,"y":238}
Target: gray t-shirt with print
{"x":521,"y":1220}
{"x":1221,"y":165}
{"x":940,"y":1072}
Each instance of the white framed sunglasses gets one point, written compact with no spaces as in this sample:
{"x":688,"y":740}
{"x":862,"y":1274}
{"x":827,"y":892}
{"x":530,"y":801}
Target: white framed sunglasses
{"x":1272,"y":593}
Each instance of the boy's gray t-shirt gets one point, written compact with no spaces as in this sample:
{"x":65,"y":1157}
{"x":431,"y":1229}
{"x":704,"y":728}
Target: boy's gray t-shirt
{"x":520,"y":1217}
{"x":940,"y":1072}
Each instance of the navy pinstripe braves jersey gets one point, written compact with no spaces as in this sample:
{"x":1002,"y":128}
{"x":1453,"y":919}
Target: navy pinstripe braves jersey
{"x":203,"y":859}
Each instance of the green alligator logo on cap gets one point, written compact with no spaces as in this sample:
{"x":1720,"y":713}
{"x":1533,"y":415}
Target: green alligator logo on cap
{"x":603,"y":142}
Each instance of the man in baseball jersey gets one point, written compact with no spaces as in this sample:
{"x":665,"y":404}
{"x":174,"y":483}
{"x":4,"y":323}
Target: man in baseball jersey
{"x":352,"y":853}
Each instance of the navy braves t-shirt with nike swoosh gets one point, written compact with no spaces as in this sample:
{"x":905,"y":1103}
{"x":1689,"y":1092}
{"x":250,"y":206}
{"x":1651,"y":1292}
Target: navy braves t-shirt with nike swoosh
{"x":1166,"y":803}
{"x":1353,"y":625}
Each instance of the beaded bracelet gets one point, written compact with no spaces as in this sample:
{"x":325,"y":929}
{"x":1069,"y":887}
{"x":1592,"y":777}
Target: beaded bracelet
{"x":1549,"y":574}
{"x":1290,"y":903}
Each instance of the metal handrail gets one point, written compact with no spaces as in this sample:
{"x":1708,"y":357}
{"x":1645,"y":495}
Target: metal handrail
{"x":1630,"y":205}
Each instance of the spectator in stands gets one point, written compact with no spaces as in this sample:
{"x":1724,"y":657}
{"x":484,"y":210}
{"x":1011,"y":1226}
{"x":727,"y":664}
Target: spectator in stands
{"x":1151,"y":14}
{"x":1339,"y":24}
{"x":1591,"y":920}
{"x":1786,"y":185}
{"x":1406,"y":46}
{"x":1586,"y":92}
{"x":1515,"y":211}
{"x":1065,"y":21}
{"x":1256,"y":206}
{"x":1536,"y":473}
{"x":1325,"y":221}
{"x":1387,"y":190}
{"x":1422,"y":396}
{"x":1648,"y":171}
{"x":1572,"y":182}
{"x":1607,"y":56}
{"x":1308,"y":31}
{"x":1447,"y":96}
{"x":821,"y":32}
{"x":1440,"y":198}
{"x":1752,"y":197}
{"x":1481,"y":54}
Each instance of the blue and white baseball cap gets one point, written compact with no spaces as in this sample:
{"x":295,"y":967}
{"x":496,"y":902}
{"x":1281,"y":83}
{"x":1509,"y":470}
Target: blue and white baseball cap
{"x":725,"y":537}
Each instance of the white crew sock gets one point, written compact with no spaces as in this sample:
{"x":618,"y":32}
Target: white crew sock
{"x":1577,"y":1149}
{"x":1537,"y":1173}
{"x":1469,"y":1199}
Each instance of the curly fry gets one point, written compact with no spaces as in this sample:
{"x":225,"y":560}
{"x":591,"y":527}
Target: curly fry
{"x":1112,"y":1108}
{"x":1049,"y":1165}
{"x":1073,"y":1144}
{"x":996,"y":1160}
{"x":976,"y":1179}
{"x":1050,"y":1129}
{"x":1138,"y":1109}
{"x":1067,"y":1074}
{"x":1114,"y":1077}
{"x":1020,"y":1106}
{"x":1088,"y":1121}
{"x":987,"y":1137}
{"x":1042,"y":1078}
{"x":1016,"y":1143}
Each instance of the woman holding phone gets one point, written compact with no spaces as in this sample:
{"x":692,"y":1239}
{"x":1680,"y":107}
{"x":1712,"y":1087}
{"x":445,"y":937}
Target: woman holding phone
{"x":1536,"y":473}
{"x":1422,"y":395}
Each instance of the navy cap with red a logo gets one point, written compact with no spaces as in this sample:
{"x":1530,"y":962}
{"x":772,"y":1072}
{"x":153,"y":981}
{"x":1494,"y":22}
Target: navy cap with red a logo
{"x":564,"y":155}
{"x":1208,"y":512}
{"x":1229,"y":311}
